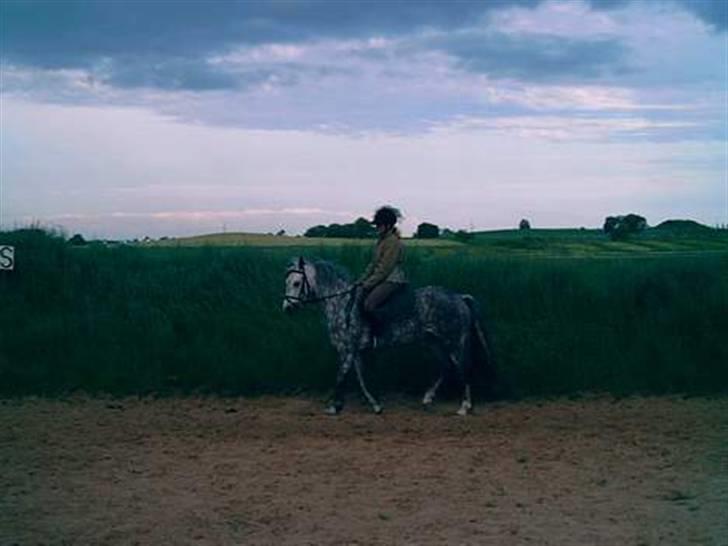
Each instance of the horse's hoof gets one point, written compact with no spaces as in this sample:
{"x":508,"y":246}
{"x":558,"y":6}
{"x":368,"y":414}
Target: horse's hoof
{"x":462,"y":412}
{"x":378,"y":410}
{"x":332,"y":410}
{"x":427,"y":406}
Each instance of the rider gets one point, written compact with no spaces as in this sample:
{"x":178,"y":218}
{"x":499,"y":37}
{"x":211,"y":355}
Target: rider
{"x":384,"y":275}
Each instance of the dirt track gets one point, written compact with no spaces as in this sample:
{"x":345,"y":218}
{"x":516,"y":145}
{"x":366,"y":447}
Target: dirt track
{"x":277,"y":471}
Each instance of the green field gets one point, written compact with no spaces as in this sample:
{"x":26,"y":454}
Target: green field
{"x":542,"y":242}
{"x":593,"y":243}
{"x":264,"y":240}
{"x":570,"y":311}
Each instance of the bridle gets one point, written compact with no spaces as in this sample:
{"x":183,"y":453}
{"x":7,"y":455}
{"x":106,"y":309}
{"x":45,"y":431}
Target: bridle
{"x":305,"y":292}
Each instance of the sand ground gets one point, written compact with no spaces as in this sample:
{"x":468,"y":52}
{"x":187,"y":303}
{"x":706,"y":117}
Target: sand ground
{"x":207,"y":471}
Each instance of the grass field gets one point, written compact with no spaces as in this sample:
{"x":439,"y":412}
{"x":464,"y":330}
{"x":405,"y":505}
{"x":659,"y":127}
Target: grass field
{"x":542,"y":242}
{"x":593,"y":243}
{"x":265,"y":240}
{"x":647,"y":316}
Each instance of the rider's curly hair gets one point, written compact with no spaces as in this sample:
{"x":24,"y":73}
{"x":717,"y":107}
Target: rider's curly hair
{"x":386,"y":216}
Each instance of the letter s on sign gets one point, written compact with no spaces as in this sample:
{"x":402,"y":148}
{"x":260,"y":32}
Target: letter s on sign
{"x":7,"y":257}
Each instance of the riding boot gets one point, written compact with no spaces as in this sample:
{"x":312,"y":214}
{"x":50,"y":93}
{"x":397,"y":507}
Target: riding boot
{"x":373,"y":328}
{"x":376,"y":324}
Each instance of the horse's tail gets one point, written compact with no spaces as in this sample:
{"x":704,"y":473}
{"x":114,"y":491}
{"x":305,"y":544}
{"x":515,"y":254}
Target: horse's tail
{"x":482,"y":353}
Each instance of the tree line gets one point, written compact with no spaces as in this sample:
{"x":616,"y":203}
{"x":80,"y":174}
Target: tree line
{"x":361,"y":228}
{"x":616,"y":227}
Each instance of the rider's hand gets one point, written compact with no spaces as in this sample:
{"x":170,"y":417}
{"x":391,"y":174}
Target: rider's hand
{"x":358,"y":291}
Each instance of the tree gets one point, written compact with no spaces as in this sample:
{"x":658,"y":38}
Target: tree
{"x":364,"y":229}
{"x":524,"y":224}
{"x":337,"y":230}
{"x":77,"y":240}
{"x":361,"y":228}
{"x":635,"y":223}
{"x":316,"y":231}
{"x":621,"y":227}
{"x":427,"y":231}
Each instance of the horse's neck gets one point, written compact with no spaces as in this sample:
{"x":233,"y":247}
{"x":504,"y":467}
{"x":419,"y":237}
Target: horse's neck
{"x":333,"y":307}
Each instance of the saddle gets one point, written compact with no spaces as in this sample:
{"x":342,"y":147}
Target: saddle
{"x":399,"y":306}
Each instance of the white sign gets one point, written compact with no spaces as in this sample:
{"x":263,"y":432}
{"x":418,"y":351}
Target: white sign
{"x":7,"y":257}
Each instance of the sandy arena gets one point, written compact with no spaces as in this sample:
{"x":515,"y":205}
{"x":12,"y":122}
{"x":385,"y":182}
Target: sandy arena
{"x":587,"y":472}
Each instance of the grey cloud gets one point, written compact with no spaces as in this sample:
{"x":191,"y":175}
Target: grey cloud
{"x":70,"y":33}
{"x":712,"y":12}
{"x":534,"y":58}
{"x":166,"y":43}
{"x":171,"y":74}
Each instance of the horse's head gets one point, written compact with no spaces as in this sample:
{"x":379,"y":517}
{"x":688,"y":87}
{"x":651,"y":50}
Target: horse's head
{"x":299,"y":284}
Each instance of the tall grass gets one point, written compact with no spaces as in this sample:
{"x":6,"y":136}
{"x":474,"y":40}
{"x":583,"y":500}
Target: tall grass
{"x":135,"y":320}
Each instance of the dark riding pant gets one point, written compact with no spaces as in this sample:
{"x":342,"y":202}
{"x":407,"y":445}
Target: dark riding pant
{"x":379,"y":294}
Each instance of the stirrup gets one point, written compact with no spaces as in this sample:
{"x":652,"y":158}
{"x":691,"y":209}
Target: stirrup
{"x":369,"y":342}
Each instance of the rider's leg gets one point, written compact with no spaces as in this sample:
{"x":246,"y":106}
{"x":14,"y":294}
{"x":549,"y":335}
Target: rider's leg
{"x":376,"y":298}
{"x":379,"y":294}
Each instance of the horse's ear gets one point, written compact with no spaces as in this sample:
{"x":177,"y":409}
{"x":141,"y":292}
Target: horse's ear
{"x":300,"y":262}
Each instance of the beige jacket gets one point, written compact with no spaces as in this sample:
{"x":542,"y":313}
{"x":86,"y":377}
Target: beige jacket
{"x":386,"y":264}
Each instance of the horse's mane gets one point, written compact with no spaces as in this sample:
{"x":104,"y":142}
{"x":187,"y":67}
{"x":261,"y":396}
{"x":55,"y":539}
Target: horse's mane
{"x":329,"y":272}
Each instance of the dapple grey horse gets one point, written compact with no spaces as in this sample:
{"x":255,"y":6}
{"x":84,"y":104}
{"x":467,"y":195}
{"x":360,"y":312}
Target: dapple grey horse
{"x":446,"y":321}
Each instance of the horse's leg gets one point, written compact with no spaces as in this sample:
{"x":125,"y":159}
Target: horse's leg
{"x":461,"y":362}
{"x":432,"y":391}
{"x":337,"y":402}
{"x":445,"y":362}
{"x":466,"y":405}
{"x":360,"y":376}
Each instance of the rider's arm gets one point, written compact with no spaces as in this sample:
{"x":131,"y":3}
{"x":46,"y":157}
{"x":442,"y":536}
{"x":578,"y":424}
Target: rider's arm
{"x":387,"y":259}
{"x":368,"y":271}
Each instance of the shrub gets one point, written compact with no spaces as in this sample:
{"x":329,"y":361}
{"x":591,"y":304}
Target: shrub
{"x":427,"y":231}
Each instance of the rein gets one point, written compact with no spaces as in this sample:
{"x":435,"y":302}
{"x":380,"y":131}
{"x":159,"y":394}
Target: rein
{"x":306,"y":288}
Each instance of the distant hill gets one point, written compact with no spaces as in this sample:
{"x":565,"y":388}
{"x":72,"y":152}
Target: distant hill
{"x":267,"y":240}
{"x":541,"y":232}
{"x":682,"y":226}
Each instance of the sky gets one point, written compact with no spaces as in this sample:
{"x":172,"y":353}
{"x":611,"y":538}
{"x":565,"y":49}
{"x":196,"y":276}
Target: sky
{"x":169,"y":118}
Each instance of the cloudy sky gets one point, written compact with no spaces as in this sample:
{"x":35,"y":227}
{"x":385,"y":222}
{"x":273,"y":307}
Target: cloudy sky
{"x":131,"y":118}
